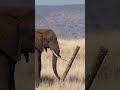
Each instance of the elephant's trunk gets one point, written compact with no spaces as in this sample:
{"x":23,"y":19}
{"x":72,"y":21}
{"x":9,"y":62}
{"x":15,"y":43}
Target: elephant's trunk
{"x":54,"y":62}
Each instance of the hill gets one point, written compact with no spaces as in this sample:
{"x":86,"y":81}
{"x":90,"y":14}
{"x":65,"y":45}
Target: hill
{"x":67,"y":21}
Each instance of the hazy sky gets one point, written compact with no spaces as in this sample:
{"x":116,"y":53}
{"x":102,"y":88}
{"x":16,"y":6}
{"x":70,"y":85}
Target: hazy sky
{"x":58,"y":2}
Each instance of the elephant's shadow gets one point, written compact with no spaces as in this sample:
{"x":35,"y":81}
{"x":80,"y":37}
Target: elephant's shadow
{"x":47,"y":80}
{"x":51,"y":80}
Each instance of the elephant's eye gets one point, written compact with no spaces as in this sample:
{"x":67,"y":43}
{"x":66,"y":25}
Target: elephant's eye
{"x":55,"y":38}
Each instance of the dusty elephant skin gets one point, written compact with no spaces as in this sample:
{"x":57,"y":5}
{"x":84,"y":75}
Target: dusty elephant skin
{"x":15,"y":32}
{"x":45,"y":38}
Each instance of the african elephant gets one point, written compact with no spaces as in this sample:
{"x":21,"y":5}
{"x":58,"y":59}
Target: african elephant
{"x":45,"y":38}
{"x":16,"y":37}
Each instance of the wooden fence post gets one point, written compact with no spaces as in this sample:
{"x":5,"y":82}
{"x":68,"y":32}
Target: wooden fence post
{"x":89,"y":79}
{"x":70,"y":63}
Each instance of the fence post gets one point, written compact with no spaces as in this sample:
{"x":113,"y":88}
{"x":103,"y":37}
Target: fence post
{"x":70,"y":63}
{"x":90,"y":77}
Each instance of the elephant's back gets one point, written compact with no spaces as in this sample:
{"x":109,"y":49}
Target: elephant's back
{"x":43,"y":30}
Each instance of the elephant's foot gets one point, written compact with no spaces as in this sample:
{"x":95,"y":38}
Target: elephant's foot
{"x":37,"y":83}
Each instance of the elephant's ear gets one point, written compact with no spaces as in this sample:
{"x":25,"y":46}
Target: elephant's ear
{"x":45,"y":41}
{"x":39,"y":41}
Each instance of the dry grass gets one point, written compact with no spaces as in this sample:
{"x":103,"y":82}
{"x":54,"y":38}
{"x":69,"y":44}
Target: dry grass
{"x":75,"y":77}
{"x":107,"y":78}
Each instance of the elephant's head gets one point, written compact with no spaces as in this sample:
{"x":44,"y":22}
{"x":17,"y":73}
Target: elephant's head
{"x":50,"y":41}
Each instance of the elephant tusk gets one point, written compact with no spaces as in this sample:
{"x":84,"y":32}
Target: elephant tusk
{"x":58,"y":56}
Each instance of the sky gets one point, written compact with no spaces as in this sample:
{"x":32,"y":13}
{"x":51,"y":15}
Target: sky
{"x":58,"y":2}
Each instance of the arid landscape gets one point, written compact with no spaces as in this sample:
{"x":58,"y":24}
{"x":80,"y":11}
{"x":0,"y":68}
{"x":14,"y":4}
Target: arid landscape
{"x":24,"y":73}
{"x":107,"y":77}
{"x":75,"y":77}
{"x":68,"y":23}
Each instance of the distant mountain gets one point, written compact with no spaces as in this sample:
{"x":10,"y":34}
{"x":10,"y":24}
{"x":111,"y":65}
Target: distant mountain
{"x":67,"y":21}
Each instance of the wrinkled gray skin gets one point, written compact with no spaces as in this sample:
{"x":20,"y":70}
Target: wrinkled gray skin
{"x":45,"y":38}
{"x":14,"y":37}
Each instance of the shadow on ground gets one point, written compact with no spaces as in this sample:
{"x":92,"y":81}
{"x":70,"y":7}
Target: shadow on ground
{"x":48,"y":80}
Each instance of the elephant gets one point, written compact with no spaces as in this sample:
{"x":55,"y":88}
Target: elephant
{"x":44,"y":39}
{"x":16,"y":37}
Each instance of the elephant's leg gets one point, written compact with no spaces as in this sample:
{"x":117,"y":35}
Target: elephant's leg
{"x":39,"y":61}
{"x":11,"y":73}
{"x":37,"y":67}
{"x":13,"y":79}
{"x":4,"y":73}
